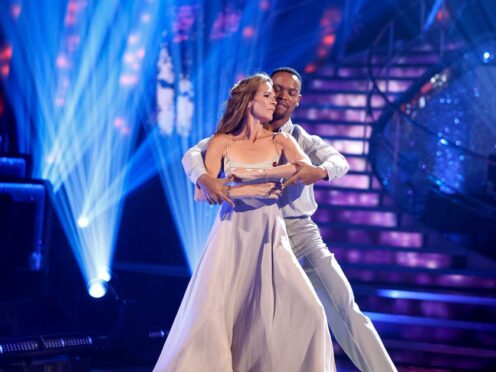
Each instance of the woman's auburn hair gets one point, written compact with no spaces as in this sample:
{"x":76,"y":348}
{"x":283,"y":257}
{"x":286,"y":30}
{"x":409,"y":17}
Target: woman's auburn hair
{"x":241,"y":94}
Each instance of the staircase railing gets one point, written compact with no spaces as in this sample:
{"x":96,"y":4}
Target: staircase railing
{"x":432,"y":35}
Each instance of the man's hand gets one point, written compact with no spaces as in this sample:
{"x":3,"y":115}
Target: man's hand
{"x":306,"y":174}
{"x":214,"y":189}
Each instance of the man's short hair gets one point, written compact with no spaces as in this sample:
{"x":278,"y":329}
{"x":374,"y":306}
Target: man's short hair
{"x":287,"y":69}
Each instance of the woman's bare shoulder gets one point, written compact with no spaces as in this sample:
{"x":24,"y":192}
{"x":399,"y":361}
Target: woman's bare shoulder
{"x":220,"y":139}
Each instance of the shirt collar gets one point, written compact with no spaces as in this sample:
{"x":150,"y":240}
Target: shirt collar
{"x":287,"y":127}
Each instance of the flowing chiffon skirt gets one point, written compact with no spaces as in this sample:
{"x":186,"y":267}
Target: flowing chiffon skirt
{"x":249,"y":306}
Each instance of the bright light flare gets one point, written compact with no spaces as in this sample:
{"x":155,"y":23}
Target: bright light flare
{"x":74,"y":116}
{"x":103,"y":273}
{"x":97,"y":288}
{"x":83,"y":222}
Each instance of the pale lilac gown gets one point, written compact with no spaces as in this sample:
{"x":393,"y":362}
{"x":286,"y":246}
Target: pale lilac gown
{"x":249,"y":307}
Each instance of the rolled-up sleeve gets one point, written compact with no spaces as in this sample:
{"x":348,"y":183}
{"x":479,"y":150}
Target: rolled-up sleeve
{"x":192,"y":160}
{"x":323,"y":154}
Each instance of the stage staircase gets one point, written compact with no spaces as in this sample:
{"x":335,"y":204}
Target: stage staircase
{"x":432,"y":301}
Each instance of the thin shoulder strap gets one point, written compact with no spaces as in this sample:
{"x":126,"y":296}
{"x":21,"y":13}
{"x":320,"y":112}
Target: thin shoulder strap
{"x":226,"y":150}
{"x":277,"y":155}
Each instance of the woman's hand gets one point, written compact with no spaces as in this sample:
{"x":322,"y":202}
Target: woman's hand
{"x":267,"y":190}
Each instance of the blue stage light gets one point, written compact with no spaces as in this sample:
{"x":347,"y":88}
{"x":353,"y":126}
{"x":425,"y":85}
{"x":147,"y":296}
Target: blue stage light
{"x":197,"y":66}
{"x":103,"y":273}
{"x":83,"y":222}
{"x":77,"y":86}
{"x":97,"y":288}
{"x":79,"y":89}
{"x":487,"y":57}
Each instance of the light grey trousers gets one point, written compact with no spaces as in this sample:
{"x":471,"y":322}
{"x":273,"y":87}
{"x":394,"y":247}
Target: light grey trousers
{"x":354,"y":331}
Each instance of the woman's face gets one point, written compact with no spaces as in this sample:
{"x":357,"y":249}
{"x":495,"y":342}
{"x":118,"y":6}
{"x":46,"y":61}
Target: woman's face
{"x":262,"y":106}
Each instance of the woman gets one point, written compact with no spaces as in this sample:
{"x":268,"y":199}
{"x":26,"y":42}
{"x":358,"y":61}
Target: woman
{"x":249,"y":305}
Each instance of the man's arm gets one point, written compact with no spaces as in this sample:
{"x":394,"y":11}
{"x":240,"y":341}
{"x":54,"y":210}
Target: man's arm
{"x":327,"y":162}
{"x":212,"y":189}
{"x":193,"y":160}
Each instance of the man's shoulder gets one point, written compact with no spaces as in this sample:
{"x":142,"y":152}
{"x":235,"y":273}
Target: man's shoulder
{"x":298,"y":131}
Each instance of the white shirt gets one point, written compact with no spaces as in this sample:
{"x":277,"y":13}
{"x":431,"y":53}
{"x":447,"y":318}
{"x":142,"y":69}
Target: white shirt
{"x":297,"y":200}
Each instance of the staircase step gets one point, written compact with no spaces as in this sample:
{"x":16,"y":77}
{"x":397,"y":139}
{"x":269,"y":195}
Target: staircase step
{"x":369,"y":235}
{"x":418,"y":356}
{"x":328,"y":88}
{"x":456,"y":251}
{"x":353,"y":217}
{"x":357,"y":181}
{"x":349,"y":146}
{"x":312,"y":123}
{"x":325,"y":105}
{"x":313,"y":113}
{"x":364,"y":63}
{"x":329,"y":195}
{"x":363,"y":77}
{"x":394,"y":71}
{"x":342,"y":100}
{"x":419,"y":58}
{"x":324,"y":220}
{"x":419,"y":259}
{"x":352,"y":140}
{"x":370,"y":211}
{"x":335,"y":132}
{"x":441,"y":308}
{"x":396,"y":87}
{"x":433,"y":329}
{"x":383,"y":275}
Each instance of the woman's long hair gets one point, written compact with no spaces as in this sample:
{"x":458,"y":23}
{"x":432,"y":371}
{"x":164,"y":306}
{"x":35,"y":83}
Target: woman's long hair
{"x":241,"y":94}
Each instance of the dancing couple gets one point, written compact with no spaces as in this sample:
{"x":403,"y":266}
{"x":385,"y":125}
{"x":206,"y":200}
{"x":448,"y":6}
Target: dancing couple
{"x":250,"y":305}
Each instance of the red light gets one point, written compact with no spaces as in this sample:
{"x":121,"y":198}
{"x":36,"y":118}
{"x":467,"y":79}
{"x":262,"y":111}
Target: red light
{"x":133,"y":39}
{"x":127,"y":80}
{"x":310,"y":68}
{"x":4,"y":70}
{"x":15,"y":10}
{"x":70,"y":20}
{"x":329,"y":39}
{"x":62,"y":62}
{"x":145,"y":17}
{"x":325,"y":22}
{"x":119,"y":122}
{"x":441,"y":15}
{"x":248,"y":32}
{"x":6,"y":53}
{"x":72,"y":6}
{"x":264,"y":4}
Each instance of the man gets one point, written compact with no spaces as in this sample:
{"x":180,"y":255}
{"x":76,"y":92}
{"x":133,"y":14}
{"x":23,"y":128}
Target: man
{"x":353,"y":330}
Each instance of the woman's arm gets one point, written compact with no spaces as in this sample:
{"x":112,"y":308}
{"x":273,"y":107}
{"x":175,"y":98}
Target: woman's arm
{"x":292,"y":152}
{"x":213,"y":162}
{"x":266,"y":190}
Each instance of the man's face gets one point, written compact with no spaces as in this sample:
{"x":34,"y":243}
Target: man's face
{"x":287,"y":87}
